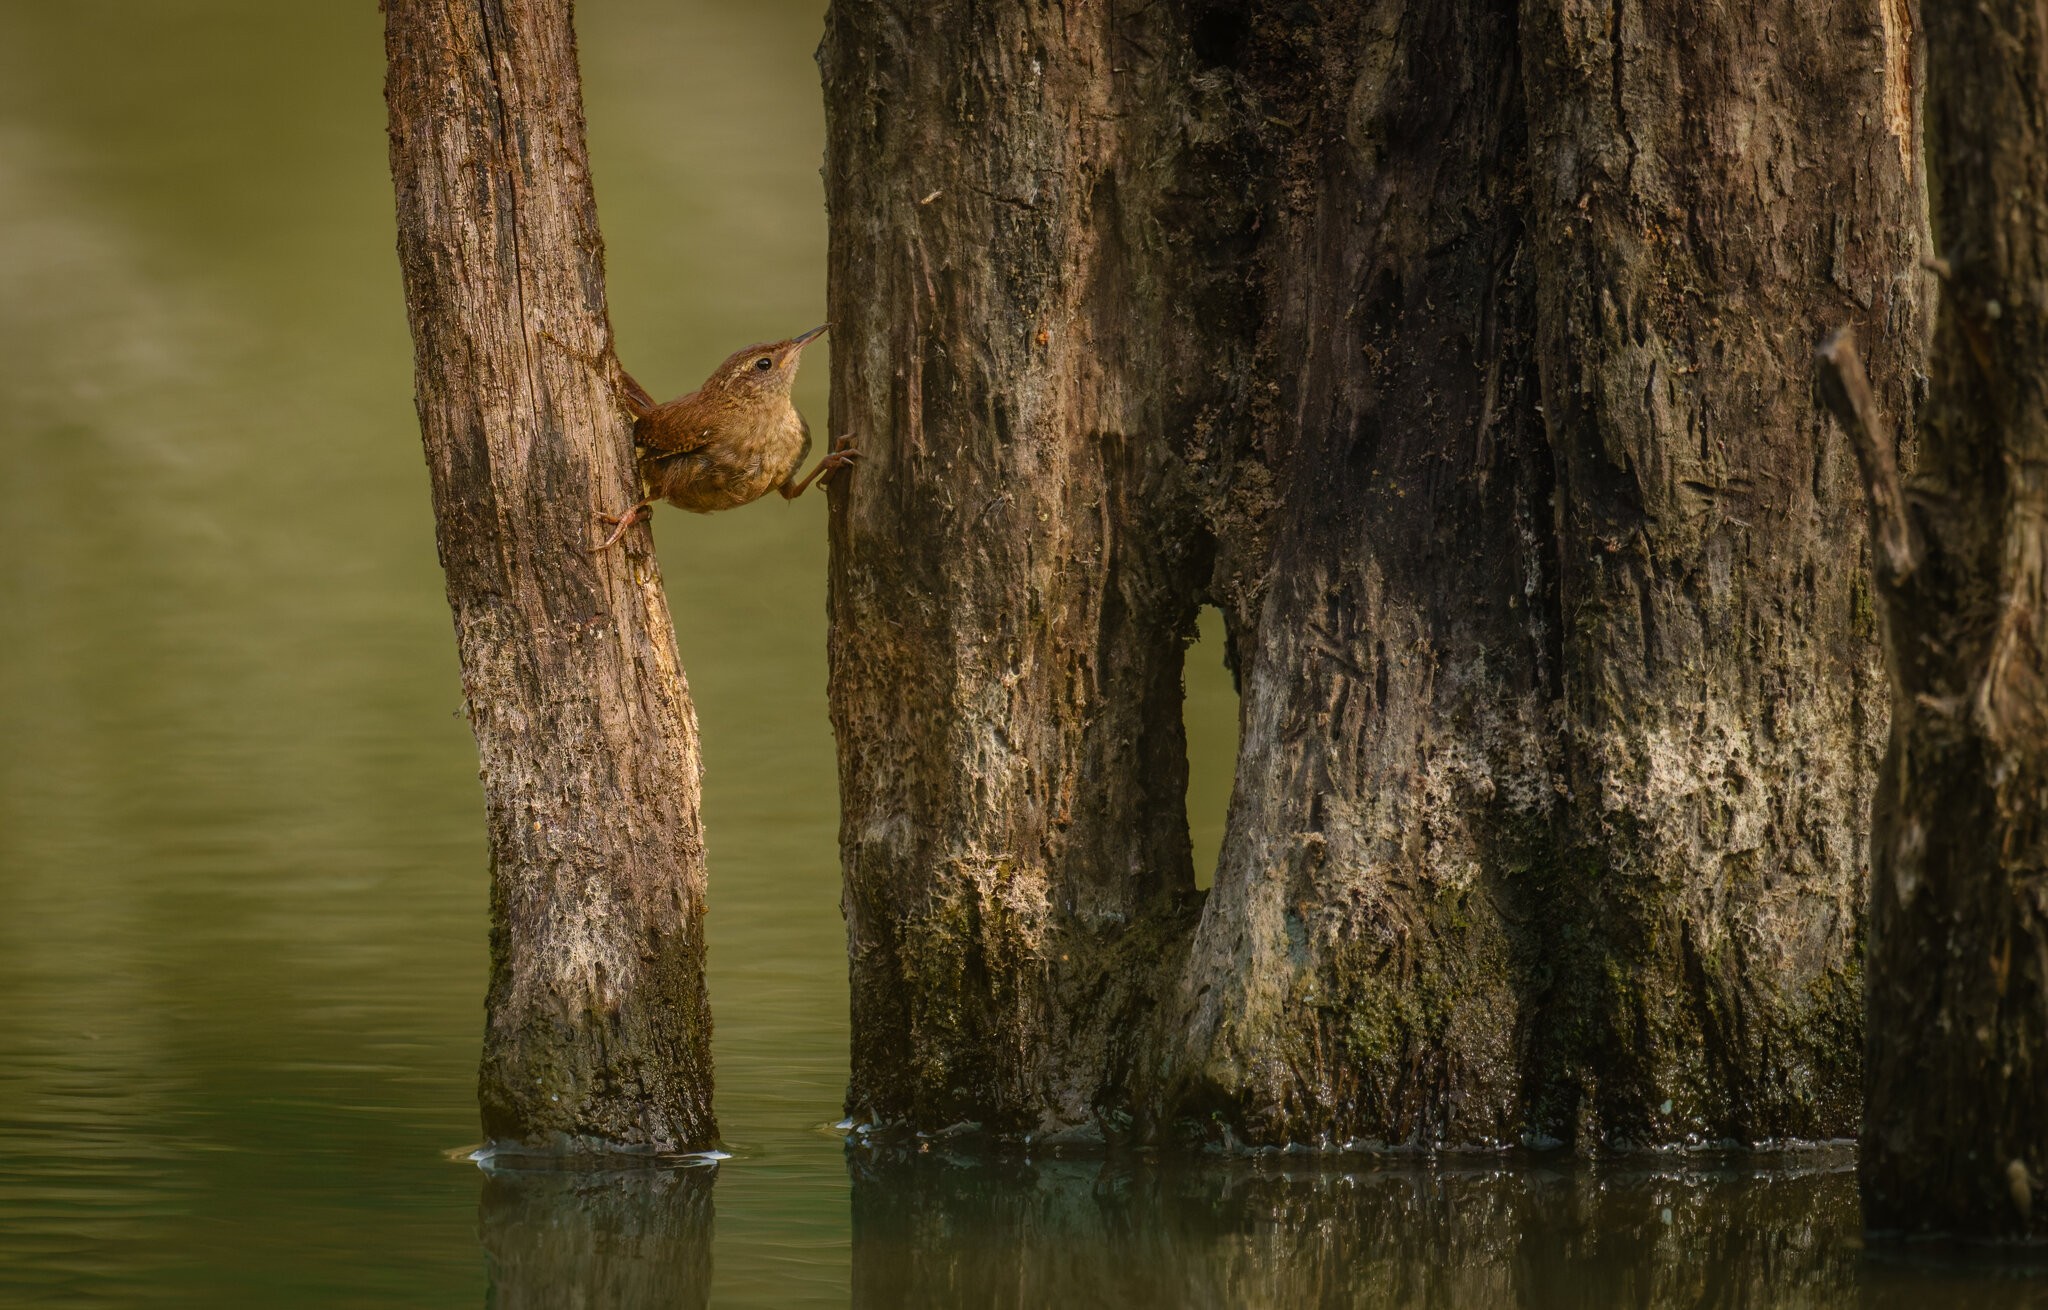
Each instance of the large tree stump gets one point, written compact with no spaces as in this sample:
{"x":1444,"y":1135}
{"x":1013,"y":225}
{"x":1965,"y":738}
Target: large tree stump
{"x":1453,"y":353}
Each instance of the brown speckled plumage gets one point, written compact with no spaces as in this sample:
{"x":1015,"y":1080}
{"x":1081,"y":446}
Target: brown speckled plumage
{"x":731,"y":440}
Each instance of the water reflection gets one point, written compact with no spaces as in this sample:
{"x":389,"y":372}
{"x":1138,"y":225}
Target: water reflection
{"x":931,"y":1229}
{"x":580,"y":1237}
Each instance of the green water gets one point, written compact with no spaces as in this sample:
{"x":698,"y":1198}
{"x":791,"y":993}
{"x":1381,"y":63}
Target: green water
{"x":242,"y":876}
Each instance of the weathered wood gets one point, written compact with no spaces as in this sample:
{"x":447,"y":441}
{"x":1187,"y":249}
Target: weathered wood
{"x":1353,"y":975}
{"x":1955,"y":1135}
{"x":1009,"y":600}
{"x":1845,"y":389}
{"x":1711,"y":188}
{"x":1523,"y":844}
{"x":597,"y":1030}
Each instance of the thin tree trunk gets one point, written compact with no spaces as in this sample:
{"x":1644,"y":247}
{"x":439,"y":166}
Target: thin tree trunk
{"x":1956,"y":1119}
{"x":1445,"y":350}
{"x":597,"y":1031}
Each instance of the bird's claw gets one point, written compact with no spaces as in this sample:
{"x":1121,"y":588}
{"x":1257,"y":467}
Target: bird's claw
{"x":844,"y":455}
{"x":624,"y":521}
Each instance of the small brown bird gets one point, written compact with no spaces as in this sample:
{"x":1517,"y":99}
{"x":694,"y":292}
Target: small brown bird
{"x":728,"y":442}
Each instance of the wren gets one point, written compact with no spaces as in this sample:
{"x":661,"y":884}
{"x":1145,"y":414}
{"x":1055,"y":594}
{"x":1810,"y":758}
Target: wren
{"x":728,"y":442}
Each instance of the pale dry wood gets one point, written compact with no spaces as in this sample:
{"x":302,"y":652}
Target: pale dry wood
{"x":1845,"y":389}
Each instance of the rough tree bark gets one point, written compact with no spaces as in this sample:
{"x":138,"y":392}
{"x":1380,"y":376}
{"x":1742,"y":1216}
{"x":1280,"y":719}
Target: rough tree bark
{"x":1005,"y":673}
{"x":597,"y":1032}
{"x":1353,"y":974}
{"x":1955,"y":1133}
{"x":1453,"y":353}
{"x":1712,"y":187}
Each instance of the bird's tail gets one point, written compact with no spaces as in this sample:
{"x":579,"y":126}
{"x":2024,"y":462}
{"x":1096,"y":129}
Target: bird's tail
{"x":638,"y":403}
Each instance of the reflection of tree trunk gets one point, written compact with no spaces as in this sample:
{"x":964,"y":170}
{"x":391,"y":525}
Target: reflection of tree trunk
{"x":1956,"y":1135}
{"x":630,"y":1237}
{"x":1450,"y":351}
{"x":597,"y":1024}
{"x":1069,"y":1233}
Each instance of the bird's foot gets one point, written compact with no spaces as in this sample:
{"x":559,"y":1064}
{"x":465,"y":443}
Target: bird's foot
{"x":624,"y":521}
{"x":844,"y":455}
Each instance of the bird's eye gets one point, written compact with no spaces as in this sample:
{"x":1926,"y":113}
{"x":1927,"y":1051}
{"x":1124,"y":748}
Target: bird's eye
{"x":764,"y":363}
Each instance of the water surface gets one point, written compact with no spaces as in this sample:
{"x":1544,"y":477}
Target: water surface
{"x":242,"y":872}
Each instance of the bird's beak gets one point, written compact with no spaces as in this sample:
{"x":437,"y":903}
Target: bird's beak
{"x":806,"y":336}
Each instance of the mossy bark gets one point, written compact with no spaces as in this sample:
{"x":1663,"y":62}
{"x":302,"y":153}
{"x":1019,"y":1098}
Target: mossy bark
{"x":1012,"y":592}
{"x":1454,"y":353}
{"x":597,"y":1033}
{"x":1955,"y":1135}
{"x":1354,"y":974}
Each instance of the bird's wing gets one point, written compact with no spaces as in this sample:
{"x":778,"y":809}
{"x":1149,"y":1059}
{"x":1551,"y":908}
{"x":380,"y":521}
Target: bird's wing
{"x":676,"y":428}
